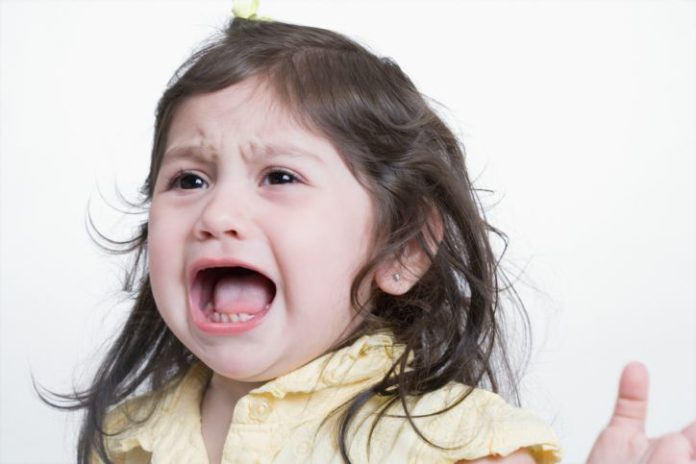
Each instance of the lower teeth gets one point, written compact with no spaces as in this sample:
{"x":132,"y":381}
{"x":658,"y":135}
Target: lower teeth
{"x":227,"y":318}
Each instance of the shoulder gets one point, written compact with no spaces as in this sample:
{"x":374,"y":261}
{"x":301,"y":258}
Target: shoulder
{"x":127,"y":425}
{"x":140,"y":421}
{"x":476,"y":424}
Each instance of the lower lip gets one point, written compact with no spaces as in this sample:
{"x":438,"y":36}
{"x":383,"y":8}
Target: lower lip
{"x":225,"y":328}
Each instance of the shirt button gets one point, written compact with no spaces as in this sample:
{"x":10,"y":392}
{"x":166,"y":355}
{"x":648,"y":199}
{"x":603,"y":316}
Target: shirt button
{"x":260,"y":410}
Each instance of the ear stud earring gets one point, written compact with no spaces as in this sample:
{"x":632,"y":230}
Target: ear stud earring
{"x":397,"y":277}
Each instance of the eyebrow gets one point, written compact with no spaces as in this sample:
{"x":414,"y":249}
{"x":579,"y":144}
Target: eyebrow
{"x":198,"y":153}
{"x":278,"y":150}
{"x":206,"y":154}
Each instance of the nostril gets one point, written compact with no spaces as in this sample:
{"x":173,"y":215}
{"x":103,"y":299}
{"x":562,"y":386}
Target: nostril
{"x":218,"y":224}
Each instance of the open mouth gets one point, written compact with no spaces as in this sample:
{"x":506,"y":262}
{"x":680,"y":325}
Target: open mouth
{"x":232,"y":295}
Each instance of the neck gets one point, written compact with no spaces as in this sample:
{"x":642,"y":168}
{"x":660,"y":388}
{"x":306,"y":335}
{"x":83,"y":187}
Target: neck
{"x":223,"y":393}
{"x":228,"y":391}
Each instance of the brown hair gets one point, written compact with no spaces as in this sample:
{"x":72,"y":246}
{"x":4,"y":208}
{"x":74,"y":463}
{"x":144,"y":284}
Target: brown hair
{"x":412,"y":165}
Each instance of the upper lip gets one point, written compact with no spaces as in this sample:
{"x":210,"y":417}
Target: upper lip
{"x":207,"y":263}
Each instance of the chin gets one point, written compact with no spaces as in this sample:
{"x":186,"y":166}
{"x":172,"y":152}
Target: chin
{"x":237,"y":366}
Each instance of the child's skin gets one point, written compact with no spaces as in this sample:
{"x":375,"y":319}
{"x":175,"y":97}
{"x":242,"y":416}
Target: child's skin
{"x":624,"y":441}
{"x":305,"y":222}
{"x":302,"y":219}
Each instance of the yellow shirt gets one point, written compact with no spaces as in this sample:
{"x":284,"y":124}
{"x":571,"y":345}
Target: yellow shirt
{"x":279,"y":421}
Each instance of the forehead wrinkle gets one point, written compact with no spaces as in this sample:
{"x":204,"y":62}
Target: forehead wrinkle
{"x":273,"y":137}
{"x":202,"y":151}
{"x":294,"y":121}
{"x":263,"y":141}
{"x":273,"y":150}
{"x":196,"y":140}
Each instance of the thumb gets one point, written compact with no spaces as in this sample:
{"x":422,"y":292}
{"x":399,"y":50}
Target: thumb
{"x":632,"y":403}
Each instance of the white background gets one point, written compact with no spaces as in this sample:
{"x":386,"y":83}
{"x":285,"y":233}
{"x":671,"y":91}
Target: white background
{"x":580,"y":115}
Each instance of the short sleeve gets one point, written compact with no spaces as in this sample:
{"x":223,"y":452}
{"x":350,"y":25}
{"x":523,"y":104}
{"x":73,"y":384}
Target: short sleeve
{"x":481,"y":425}
{"x":123,"y":437}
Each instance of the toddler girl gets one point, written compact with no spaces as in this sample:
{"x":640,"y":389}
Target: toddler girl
{"x":315,"y":281}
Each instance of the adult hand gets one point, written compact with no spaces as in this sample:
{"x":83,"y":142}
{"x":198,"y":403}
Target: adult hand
{"x":624,"y":441}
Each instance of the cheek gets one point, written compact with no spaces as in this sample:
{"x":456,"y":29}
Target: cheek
{"x":162,"y":263}
{"x":166,"y":229}
{"x":320,"y":252}
{"x":156,"y":243}
{"x":327,"y":237}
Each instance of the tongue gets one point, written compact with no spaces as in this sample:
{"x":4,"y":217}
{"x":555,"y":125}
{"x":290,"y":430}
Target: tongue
{"x":241,"y":294}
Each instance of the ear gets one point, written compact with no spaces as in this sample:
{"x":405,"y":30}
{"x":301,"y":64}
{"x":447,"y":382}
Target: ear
{"x":397,"y":276}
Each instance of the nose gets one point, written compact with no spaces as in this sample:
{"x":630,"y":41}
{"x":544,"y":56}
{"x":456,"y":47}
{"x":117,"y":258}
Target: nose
{"x":224,"y":214}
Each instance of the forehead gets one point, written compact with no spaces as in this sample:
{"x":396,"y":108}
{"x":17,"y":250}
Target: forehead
{"x":243,"y":113}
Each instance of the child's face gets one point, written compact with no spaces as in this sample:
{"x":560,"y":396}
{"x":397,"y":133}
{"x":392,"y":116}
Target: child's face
{"x":272,"y":195}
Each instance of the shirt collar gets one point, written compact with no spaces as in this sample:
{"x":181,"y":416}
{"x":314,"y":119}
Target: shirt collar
{"x":369,"y":357}
{"x":365,"y":361}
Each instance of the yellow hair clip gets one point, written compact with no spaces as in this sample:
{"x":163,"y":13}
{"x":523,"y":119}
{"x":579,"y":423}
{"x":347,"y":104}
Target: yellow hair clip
{"x":246,"y":9}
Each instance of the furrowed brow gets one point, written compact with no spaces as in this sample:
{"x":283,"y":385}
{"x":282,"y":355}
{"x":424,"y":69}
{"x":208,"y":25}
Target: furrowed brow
{"x":190,"y":152}
{"x":280,"y":150}
{"x":207,"y":155}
